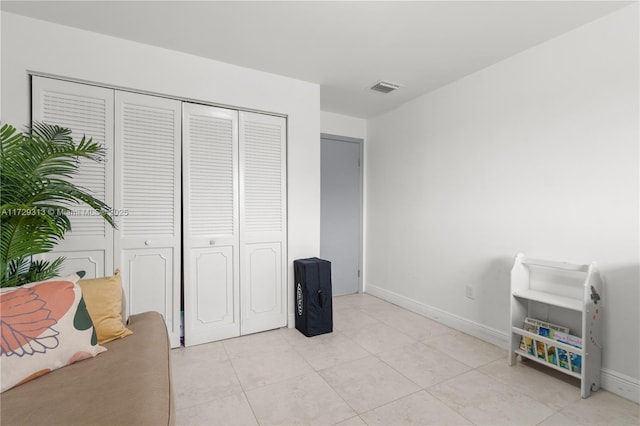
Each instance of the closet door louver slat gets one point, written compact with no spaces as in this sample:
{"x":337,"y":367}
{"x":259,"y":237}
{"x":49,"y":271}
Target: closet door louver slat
{"x":148,"y":190}
{"x":263,"y":177}
{"x":147,"y":182}
{"x":262,"y":222}
{"x":232,"y":195}
{"x":212,"y":175}
{"x":210,"y":194}
{"x":87,"y":111}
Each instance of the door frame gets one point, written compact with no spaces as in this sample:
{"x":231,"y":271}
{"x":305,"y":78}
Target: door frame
{"x":360,"y":143}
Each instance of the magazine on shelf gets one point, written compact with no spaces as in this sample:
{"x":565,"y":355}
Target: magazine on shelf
{"x":546,"y":325}
{"x":570,"y":361}
{"x":576,"y":362}
{"x":542,"y":328}
{"x":567,"y":339}
{"x":526,"y":343}
{"x":541,"y":350}
{"x":552,"y":354}
{"x":563,"y":358}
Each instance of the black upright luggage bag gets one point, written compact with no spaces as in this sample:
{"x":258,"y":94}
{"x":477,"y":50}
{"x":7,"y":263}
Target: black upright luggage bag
{"x":314,"y":312}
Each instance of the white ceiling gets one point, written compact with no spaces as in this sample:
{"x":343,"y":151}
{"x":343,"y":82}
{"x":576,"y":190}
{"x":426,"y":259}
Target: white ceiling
{"x":344,"y":46}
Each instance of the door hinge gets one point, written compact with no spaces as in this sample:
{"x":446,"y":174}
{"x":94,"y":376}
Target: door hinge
{"x":358,"y":273}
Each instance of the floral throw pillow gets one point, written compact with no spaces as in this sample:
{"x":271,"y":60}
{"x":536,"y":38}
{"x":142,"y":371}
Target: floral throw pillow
{"x":44,"y":326}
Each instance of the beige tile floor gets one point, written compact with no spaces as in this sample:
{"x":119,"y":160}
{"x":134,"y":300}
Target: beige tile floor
{"x":382,"y":365}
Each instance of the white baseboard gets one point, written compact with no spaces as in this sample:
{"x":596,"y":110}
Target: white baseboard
{"x":465,"y":325}
{"x":620,"y":384}
{"x":612,"y":381}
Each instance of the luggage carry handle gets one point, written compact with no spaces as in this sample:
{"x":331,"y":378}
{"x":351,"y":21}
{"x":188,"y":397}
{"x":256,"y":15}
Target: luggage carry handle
{"x":322,"y":298}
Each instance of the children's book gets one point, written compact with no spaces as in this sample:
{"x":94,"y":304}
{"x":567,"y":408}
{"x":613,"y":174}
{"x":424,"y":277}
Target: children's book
{"x":526,"y":343}
{"x":563,"y":358}
{"x":546,"y":325}
{"x":567,"y":338}
{"x":576,"y":362}
{"x":541,"y":350}
{"x":551,"y":355}
{"x":545,"y":332}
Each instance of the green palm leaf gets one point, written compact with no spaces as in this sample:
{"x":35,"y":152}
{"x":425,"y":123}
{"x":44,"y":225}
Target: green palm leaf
{"x":36,"y":191}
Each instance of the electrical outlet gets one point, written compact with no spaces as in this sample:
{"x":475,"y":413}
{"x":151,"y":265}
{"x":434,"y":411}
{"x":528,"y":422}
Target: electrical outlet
{"x":470,"y":292}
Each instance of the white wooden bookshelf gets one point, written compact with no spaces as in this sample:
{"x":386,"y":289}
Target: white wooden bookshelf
{"x":566,"y":294}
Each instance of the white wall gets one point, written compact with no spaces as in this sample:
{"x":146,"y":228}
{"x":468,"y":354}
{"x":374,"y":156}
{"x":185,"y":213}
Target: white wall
{"x":539,"y":154}
{"x":33,"y":45}
{"x":343,"y":125}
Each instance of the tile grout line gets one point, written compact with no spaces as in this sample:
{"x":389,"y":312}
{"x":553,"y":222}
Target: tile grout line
{"x":392,"y":401}
{"x":339,"y":396}
{"x":425,"y":389}
{"x":244,"y":392}
{"x":217,"y":398}
{"x":513,"y":389}
{"x":549,"y":416}
{"x":448,"y":405}
{"x":287,"y":342}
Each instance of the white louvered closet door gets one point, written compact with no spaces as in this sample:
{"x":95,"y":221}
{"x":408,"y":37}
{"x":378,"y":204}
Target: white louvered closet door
{"x":263,"y":222}
{"x":86,"y":110}
{"x":147,"y":187}
{"x":210,"y":233}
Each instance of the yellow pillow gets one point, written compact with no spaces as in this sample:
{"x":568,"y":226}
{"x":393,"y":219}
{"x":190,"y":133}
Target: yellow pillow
{"x":103,"y":297}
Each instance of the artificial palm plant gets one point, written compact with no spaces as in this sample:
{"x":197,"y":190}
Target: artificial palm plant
{"x":36,"y":192}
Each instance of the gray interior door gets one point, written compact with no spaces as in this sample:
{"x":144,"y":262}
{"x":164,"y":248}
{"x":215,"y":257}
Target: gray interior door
{"x":341,"y":211}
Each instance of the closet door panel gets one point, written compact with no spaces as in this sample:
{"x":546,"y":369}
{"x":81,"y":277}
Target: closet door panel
{"x":87,"y":111}
{"x":147,"y":182}
{"x":91,"y":262}
{"x":214,"y":298}
{"x":214,"y":315}
{"x":264,"y":274}
{"x":150,"y":273}
{"x":262,"y":222}
{"x":210,"y":202}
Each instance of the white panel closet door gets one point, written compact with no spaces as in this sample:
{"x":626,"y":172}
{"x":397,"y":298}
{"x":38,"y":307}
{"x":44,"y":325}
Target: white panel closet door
{"x":210,"y":235}
{"x":86,"y":110}
{"x":147,"y":182}
{"x":263,"y":222}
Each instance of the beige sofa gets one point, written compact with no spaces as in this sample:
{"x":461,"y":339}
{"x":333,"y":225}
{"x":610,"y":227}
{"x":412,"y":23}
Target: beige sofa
{"x":129,"y":384}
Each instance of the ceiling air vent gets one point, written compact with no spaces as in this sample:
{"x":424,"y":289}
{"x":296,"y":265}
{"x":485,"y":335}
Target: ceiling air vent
{"x":385,"y":87}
